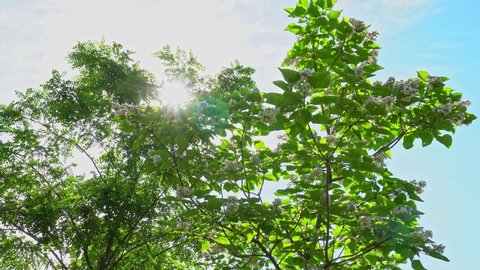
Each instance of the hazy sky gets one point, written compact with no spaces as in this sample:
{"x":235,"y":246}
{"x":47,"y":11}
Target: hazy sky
{"x":440,"y":36}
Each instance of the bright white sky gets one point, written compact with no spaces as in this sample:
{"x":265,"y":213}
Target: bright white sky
{"x":35,"y":36}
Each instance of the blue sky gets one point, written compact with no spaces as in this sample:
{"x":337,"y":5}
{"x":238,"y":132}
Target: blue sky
{"x":439,"y":36}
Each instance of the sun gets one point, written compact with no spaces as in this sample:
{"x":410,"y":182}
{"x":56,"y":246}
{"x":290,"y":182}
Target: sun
{"x":175,"y":93}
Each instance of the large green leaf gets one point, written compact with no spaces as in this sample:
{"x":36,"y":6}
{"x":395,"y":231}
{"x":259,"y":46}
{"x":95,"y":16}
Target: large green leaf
{"x":291,"y":76}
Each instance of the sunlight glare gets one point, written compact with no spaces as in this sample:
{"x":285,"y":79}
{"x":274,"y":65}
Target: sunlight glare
{"x":175,"y":93}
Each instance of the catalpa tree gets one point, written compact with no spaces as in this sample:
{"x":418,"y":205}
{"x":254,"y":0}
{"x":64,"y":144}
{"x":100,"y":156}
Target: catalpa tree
{"x":184,"y":188}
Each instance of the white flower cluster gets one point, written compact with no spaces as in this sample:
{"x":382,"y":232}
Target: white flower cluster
{"x":277,"y":202}
{"x":303,"y":85}
{"x":207,"y":256}
{"x":379,"y":159}
{"x":388,"y":101}
{"x":408,"y":88}
{"x":434,"y":81}
{"x":359,"y":71}
{"x":305,"y":74}
{"x":283,"y":137}
{"x":371,"y":36}
{"x":401,"y":210}
{"x":254,"y":160}
{"x":373,"y":58}
{"x":123,"y":108}
{"x":268,"y":115}
{"x":364,"y":222}
{"x":232,"y":205}
{"x":332,"y":139}
{"x":422,"y":234}
{"x":317,"y":172}
{"x":182,"y":226}
{"x":358,"y":25}
{"x":254,"y":90}
{"x":390,"y":82}
{"x":157,"y":159}
{"x":438,"y":248}
{"x":463,"y":104}
{"x":231,"y":166}
{"x":350,"y":206}
{"x":418,"y":185}
{"x":444,"y":109}
{"x":183,"y":192}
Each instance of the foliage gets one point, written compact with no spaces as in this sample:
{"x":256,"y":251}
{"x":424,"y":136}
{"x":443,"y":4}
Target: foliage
{"x":182,"y":187}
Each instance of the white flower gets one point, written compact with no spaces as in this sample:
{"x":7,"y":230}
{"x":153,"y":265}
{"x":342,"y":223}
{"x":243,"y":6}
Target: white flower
{"x":207,"y":256}
{"x":418,"y":185}
{"x":434,"y":81}
{"x":372,"y":59}
{"x":444,"y":109}
{"x":390,"y":82}
{"x":231,"y":165}
{"x":254,"y":159}
{"x":358,"y":71}
{"x":422,"y":234}
{"x":183,"y":192}
{"x":331,"y":139}
{"x":389,"y":101}
{"x":182,"y":226}
{"x":371,"y":36}
{"x":350,"y":206}
{"x":268,"y":115}
{"x":400,"y":210}
{"x":157,"y":159}
{"x":277,"y":202}
{"x":305,"y":74}
{"x":283,"y":137}
{"x":438,"y":248}
{"x":408,"y":91}
{"x":463,"y":104}
{"x":379,"y":159}
{"x":316,"y":172}
{"x":358,"y":25}
{"x":232,"y":205}
{"x":364,"y":222}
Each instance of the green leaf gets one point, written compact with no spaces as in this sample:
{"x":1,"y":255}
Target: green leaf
{"x":408,"y":141}
{"x":334,"y":14}
{"x":283,"y":85}
{"x":445,"y":140}
{"x":323,"y":100}
{"x":320,"y":79}
{"x":294,"y":28}
{"x":266,"y":228}
{"x":213,"y":203}
{"x":423,"y":75}
{"x":417,"y":265}
{"x":426,"y":137}
{"x":274,"y":98}
{"x":313,"y":10}
{"x":205,"y":245}
{"x":222,"y":240}
{"x":438,"y":255}
{"x":371,"y":259}
{"x":327,"y":4}
{"x":291,"y":76}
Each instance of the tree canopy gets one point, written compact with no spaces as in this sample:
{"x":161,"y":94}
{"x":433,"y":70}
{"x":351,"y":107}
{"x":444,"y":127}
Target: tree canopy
{"x":183,"y":188}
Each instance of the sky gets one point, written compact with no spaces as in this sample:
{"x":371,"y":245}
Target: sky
{"x":439,"y":36}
